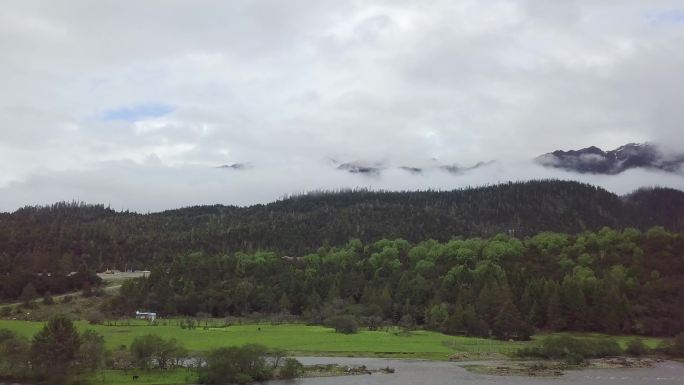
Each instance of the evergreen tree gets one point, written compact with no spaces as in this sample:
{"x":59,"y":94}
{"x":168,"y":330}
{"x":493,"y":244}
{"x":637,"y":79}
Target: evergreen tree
{"x":54,"y":348}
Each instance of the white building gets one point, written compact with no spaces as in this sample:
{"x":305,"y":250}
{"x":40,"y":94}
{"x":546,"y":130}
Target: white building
{"x":145,"y":315}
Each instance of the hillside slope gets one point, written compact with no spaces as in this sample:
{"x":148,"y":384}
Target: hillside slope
{"x":65,"y":236}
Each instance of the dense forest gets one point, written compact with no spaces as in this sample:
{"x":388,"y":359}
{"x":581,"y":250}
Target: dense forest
{"x":56,"y":240}
{"x":67,"y":236}
{"x":610,"y":281}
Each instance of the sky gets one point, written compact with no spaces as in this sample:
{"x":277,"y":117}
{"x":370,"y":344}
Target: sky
{"x":135,"y":104}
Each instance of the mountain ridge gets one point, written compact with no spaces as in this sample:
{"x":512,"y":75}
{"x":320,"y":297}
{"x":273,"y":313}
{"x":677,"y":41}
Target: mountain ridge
{"x":594,"y":160}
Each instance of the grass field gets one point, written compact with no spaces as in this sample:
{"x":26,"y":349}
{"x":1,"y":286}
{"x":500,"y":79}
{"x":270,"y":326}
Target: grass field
{"x":297,"y":339}
{"x":312,"y":340}
{"x":153,"y":377}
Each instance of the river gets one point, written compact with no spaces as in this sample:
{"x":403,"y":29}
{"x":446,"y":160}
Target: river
{"x":416,"y":372}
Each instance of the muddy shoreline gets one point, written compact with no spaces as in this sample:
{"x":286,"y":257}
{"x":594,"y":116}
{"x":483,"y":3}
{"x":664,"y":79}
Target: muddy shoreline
{"x":558,"y":368}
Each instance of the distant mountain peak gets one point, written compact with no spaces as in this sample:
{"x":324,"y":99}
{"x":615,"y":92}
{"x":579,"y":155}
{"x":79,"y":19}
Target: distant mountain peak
{"x":593,"y":160}
{"x":358,"y":167}
{"x":234,"y":166}
{"x":456,"y":169}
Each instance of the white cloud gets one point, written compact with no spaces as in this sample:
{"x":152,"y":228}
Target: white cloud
{"x":287,"y":84}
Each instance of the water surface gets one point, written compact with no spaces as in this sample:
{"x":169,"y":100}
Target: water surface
{"x":416,"y":372}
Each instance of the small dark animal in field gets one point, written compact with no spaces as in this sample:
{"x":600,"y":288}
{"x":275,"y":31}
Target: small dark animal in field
{"x":136,"y":377}
{"x":259,"y":329}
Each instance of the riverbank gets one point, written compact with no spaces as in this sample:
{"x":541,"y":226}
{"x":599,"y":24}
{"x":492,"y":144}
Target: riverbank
{"x":552,"y":368}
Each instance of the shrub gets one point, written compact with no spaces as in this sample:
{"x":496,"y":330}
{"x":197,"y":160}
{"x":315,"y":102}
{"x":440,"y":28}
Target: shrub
{"x":235,"y":365}
{"x":675,"y":348}
{"x":346,"y":324}
{"x":636,"y":347}
{"x":572,"y":350}
{"x":291,"y":369}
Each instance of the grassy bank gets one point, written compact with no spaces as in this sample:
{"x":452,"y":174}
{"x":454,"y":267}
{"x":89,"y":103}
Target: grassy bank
{"x":622,"y":340}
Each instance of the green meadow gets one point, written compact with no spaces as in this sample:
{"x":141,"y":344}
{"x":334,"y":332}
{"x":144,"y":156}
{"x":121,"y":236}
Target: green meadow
{"x":301,"y":339}
{"x":152,"y":377}
{"x":296,"y":339}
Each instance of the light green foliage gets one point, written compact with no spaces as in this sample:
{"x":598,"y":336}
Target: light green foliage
{"x":549,"y":243}
{"x":502,"y":248}
{"x":425,"y":268}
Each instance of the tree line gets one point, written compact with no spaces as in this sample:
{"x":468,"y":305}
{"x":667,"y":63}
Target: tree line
{"x":71,"y":236}
{"x":611,"y":281}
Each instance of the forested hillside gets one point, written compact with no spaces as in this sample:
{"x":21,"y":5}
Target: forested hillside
{"x":66,"y":236}
{"x":610,"y":281}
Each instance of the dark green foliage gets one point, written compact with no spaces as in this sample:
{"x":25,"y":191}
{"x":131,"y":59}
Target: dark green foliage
{"x":67,"y":237}
{"x":55,"y":355}
{"x":508,"y":324}
{"x":143,"y":349}
{"x":346,"y":324}
{"x":291,"y":369}
{"x":675,"y":348}
{"x":151,"y":351}
{"x":235,"y":365}
{"x":14,"y":356}
{"x":573,"y":350}
{"x":54,"y":349}
{"x":636,"y":347}
{"x":91,"y":354}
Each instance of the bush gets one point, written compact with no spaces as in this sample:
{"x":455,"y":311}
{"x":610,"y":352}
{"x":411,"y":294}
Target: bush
{"x":675,"y":348}
{"x":235,"y":365}
{"x":151,"y":349}
{"x":636,"y":347}
{"x":291,"y":369}
{"x":572,"y":350}
{"x":346,"y":324}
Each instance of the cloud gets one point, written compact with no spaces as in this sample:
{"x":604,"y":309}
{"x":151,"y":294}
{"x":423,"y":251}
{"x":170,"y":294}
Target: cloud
{"x":153,"y":186}
{"x":286,"y":84}
{"x":138,"y":112}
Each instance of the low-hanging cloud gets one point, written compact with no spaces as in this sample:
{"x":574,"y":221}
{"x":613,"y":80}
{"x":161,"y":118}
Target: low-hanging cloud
{"x":152,"y":186}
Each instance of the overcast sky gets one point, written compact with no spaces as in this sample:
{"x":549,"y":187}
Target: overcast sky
{"x":135,"y":103}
